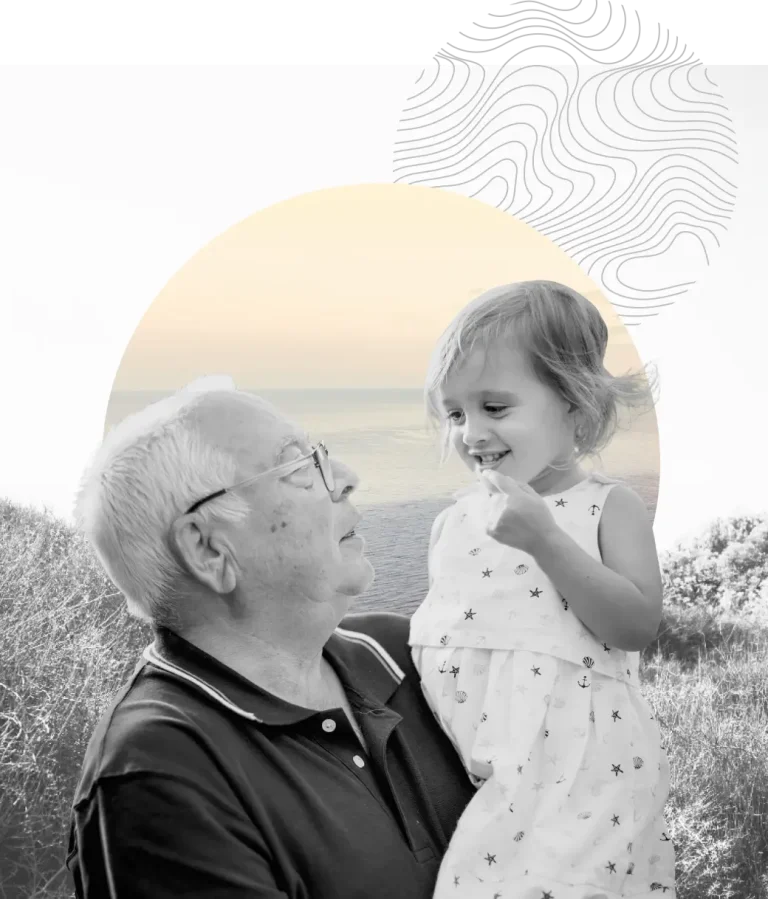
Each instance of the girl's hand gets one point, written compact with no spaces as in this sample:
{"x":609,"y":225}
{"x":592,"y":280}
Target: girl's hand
{"x":519,"y":517}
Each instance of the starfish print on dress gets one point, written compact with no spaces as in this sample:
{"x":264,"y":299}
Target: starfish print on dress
{"x":611,"y":866}
{"x":536,"y":671}
{"x":547,"y":895}
{"x":615,"y":820}
{"x":469,"y":615}
{"x":561,"y":503}
{"x":491,"y":859}
{"x":615,"y":714}
{"x":606,"y":647}
{"x":535,"y":592}
{"x":538,"y":786}
{"x":616,"y":770}
{"x":455,"y":881}
{"x":455,"y":670}
{"x":519,"y":769}
{"x":487,"y":572}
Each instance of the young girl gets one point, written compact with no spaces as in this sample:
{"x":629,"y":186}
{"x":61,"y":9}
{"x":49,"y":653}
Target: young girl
{"x":544,"y":586}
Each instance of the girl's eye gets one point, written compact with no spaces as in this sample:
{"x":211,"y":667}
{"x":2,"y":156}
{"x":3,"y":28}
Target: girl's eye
{"x":496,"y":410}
{"x":455,"y":415}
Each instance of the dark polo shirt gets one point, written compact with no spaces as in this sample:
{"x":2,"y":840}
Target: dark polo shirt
{"x":198,"y":783}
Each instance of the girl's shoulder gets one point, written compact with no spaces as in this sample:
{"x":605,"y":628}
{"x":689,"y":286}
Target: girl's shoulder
{"x":600,"y":477}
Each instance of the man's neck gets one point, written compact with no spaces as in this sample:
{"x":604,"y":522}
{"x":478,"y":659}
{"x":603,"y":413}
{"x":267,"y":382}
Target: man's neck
{"x":287,"y":662}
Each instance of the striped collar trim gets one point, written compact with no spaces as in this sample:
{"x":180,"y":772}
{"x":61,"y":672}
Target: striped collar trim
{"x":375,"y":648}
{"x":365,"y":668}
{"x":153,"y":656}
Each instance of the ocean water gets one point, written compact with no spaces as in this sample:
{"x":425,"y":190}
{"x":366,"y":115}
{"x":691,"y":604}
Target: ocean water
{"x":385,"y":438}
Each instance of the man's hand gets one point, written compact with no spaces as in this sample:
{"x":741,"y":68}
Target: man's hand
{"x":518,"y":517}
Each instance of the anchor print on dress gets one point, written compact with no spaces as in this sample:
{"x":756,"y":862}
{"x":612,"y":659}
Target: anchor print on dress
{"x":593,"y":509}
{"x":583,"y":683}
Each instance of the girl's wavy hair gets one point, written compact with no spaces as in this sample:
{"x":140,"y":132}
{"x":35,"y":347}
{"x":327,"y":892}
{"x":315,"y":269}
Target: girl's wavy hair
{"x":565,"y":338}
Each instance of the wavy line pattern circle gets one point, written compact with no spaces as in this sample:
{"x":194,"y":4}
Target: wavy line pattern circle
{"x":631,"y":170}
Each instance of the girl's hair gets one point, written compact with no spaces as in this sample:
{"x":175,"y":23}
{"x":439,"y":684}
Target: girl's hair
{"x":565,"y":338}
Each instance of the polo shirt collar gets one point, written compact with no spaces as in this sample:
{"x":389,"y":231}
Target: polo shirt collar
{"x":364,"y":667}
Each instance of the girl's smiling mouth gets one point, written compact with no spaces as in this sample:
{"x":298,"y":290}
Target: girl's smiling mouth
{"x":489,"y":460}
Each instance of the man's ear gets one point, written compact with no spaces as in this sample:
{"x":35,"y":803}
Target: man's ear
{"x":205,"y":552}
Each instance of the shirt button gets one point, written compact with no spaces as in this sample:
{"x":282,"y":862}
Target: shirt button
{"x":358,"y":761}
{"x":329,"y":725}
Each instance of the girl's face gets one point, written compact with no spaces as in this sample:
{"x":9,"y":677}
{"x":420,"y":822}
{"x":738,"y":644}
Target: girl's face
{"x":501,"y":416}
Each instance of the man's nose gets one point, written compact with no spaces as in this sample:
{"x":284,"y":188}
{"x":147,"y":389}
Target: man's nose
{"x":344,"y":478}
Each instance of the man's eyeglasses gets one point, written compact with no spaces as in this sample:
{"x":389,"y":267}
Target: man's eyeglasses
{"x":318,"y":453}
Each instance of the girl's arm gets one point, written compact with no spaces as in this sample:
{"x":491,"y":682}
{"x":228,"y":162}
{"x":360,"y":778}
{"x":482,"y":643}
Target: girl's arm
{"x":619,"y":600}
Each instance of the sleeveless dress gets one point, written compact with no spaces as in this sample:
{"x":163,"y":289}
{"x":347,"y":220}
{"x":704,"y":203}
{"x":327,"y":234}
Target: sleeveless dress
{"x":549,"y":722}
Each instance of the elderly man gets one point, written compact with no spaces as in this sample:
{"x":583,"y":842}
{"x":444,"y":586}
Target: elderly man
{"x":266,"y":746}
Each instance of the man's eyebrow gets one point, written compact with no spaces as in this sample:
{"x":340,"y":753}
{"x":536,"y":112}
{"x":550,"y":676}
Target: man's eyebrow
{"x":297,"y":440}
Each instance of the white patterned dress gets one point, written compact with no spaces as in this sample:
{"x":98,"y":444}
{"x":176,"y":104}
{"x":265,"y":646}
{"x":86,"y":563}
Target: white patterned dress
{"x":549,"y":721}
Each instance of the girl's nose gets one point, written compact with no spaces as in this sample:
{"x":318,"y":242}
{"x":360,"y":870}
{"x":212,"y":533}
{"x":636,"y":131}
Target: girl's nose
{"x":475,"y":432}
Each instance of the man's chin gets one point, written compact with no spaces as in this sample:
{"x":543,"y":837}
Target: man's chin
{"x":356,"y":586}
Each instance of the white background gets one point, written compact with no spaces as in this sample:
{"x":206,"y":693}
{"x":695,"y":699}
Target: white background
{"x":134,"y":134}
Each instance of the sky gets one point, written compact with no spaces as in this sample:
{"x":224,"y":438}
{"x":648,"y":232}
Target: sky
{"x":348,"y":286}
{"x":129,"y":148}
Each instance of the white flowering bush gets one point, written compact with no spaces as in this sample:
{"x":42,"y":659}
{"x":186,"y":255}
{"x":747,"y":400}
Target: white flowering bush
{"x":723,"y":570}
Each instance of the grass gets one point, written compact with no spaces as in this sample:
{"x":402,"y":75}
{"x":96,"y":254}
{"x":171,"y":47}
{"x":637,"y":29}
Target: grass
{"x":66,"y":645}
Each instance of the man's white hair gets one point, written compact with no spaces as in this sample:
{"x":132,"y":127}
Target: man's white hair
{"x":149,"y":469}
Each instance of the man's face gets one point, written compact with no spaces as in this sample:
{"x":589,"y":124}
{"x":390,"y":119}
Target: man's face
{"x":294,"y":541}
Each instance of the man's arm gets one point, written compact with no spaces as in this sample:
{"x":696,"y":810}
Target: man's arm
{"x":146,"y":835}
